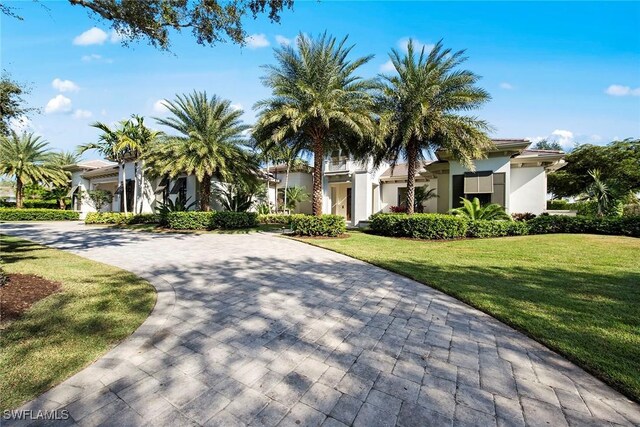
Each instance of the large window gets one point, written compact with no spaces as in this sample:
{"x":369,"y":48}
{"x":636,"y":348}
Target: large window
{"x":487,"y":186}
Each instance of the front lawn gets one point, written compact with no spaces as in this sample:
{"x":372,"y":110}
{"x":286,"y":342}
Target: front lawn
{"x":577,"y":294}
{"x":96,"y":307}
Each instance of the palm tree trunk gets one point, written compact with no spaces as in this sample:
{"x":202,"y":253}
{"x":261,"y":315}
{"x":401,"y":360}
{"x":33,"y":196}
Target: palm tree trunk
{"x":61,"y":203}
{"x":124,"y":188}
{"x":135,"y":188}
{"x":318,"y":157}
{"x":205,"y":193}
{"x":412,"y":154}
{"x":19,"y":193}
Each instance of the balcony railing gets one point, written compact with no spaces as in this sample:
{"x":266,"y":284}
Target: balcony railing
{"x":337,"y":166}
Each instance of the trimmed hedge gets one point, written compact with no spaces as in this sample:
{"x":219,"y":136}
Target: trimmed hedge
{"x":228,"y":220}
{"x":617,"y":226}
{"x":420,"y":226}
{"x":120,"y":218}
{"x":195,"y":220}
{"x":35,"y":204}
{"x":12,"y":214}
{"x":191,"y":220}
{"x":325,"y":225}
{"x":487,"y":228}
{"x":278,"y":218}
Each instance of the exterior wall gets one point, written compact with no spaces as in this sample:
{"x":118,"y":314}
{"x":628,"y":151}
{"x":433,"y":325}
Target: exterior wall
{"x":528,"y":190}
{"x":296,"y":179}
{"x":494,"y":164}
{"x":361,"y":197}
{"x":442,"y":204}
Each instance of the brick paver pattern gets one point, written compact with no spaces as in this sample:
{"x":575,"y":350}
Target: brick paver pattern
{"x":258,"y":330}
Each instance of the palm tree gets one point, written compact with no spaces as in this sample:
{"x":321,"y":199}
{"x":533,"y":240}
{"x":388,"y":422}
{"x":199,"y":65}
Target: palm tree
{"x":598,"y":191}
{"x":295,"y":196}
{"x":419,"y":110}
{"x":27,"y":158}
{"x":318,"y":103}
{"x":422,"y":194}
{"x":136,"y":139}
{"x":109,"y":145}
{"x":61,"y":159}
{"x":211,"y":143}
{"x":473,"y":210}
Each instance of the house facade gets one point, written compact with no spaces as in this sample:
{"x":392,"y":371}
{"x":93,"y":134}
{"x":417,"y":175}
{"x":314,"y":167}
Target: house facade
{"x":511,"y":175}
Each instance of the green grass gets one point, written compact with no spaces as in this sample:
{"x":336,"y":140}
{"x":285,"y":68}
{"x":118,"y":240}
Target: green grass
{"x":577,"y":294}
{"x":98,"y":306}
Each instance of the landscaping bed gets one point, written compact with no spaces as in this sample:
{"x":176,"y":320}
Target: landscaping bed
{"x":95,"y":307}
{"x":578,"y":294}
{"x":21,"y":292}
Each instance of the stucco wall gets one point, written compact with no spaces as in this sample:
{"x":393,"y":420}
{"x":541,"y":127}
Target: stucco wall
{"x":528,"y":190}
{"x":390,"y":195}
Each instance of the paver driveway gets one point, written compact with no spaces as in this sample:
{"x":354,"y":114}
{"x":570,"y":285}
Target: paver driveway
{"x":260,"y":330}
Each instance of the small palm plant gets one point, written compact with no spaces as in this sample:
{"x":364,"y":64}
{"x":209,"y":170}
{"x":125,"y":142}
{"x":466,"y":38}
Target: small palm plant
{"x":422,"y":195}
{"x":598,"y":192}
{"x":295,"y":196}
{"x":473,"y":210}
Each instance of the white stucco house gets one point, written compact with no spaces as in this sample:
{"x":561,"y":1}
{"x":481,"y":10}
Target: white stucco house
{"x":511,"y":175}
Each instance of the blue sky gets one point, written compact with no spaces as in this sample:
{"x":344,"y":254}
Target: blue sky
{"x":570,"y":71}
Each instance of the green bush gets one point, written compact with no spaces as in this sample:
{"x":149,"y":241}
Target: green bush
{"x":228,"y":220}
{"x":278,"y":218}
{"x":325,"y":225}
{"x":12,"y":214}
{"x":120,"y":218}
{"x":191,"y":220}
{"x":631,"y":210}
{"x":487,"y":228}
{"x":616,"y":225}
{"x":420,"y":226}
{"x":559,"y":205}
{"x":35,"y":204}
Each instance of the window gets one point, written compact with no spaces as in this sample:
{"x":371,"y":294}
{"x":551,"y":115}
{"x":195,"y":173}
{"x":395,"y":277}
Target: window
{"x":402,"y":196}
{"x":478,"y":182}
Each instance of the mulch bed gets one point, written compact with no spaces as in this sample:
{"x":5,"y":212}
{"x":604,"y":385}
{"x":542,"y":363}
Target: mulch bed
{"x":22,"y":291}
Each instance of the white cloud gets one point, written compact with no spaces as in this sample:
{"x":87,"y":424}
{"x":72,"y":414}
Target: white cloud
{"x":64,"y":85}
{"x":236,"y":107}
{"x":257,"y":41}
{"x":619,"y":90}
{"x":20,"y":124}
{"x":506,"y":86}
{"x":160,"y":106}
{"x":59,"y":104}
{"x":82,"y":114}
{"x":91,"y":36}
{"x":417,"y":45}
{"x":387,"y":67}
{"x":283,"y":40}
{"x":94,"y":57}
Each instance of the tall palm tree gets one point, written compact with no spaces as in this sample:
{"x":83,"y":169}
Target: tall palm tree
{"x":136,"y":139}
{"x":318,"y":105}
{"x":60,"y":191}
{"x":420,"y":107}
{"x":27,"y":158}
{"x":109,"y":145}
{"x":211,"y":143}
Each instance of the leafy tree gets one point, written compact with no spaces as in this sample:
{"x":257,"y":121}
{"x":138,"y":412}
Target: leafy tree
{"x":210,"y":145}
{"x":547,"y":145}
{"x":295,"y":196}
{"x":318,"y":105}
{"x":210,"y":21}
{"x":110,"y":145}
{"x":27,"y":159}
{"x":420,"y":109}
{"x":59,"y":192}
{"x":11,"y":102}
{"x":473,"y":210}
{"x":617,"y":161}
{"x":99,"y":198}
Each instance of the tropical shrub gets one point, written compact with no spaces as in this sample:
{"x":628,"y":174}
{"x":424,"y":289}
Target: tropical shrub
{"x":99,"y":198}
{"x":471,"y":209}
{"x":33,"y":204}
{"x":229,"y":220}
{"x":620,"y":225}
{"x":324,"y":225}
{"x":277,"y":218}
{"x":398,"y":209}
{"x":120,"y":218}
{"x":631,"y":209}
{"x":180,"y":204}
{"x":488,"y":228}
{"x":12,"y":214}
{"x":526,"y":216}
{"x":559,"y":205}
{"x":420,"y":226}
{"x":191,"y":220}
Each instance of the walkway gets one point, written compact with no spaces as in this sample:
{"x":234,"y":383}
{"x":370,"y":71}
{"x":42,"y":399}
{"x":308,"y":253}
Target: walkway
{"x":263,"y":331}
